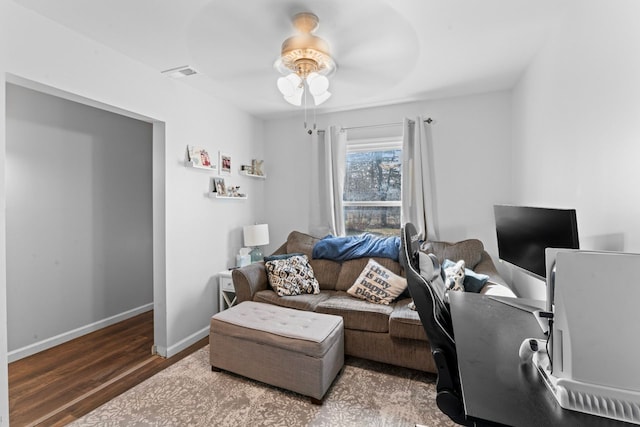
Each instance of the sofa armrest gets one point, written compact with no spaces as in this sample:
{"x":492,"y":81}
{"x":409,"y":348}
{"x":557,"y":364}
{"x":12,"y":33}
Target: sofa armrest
{"x":248,"y":280}
{"x":495,"y":285}
{"x":281,"y":250}
{"x":486,"y":266}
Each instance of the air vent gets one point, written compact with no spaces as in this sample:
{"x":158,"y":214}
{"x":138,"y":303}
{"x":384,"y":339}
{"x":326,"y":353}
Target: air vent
{"x":178,"y":72}
{"x":624,"y":410}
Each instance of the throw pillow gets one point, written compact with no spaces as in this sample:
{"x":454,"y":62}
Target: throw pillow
{"x":454,"y":275}
{"x":292,"y":276}
{"x":377,"y":284}
{"x":280,"y":256}
{"x":473,"y":282}
{"x":430,"y":270}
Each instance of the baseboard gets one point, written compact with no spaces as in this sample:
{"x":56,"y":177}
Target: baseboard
{"x":39,"y":346}
{"x":181,"y":345}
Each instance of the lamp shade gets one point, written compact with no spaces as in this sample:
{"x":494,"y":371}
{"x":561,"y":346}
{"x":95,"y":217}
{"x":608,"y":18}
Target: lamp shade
{"x":256,"y":235}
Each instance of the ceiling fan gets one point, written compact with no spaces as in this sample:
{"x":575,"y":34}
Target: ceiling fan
{"x":306,"y":62}
{"x":361,"y":59}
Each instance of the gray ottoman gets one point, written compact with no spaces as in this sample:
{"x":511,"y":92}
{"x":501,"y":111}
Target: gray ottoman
{"x":296,"y":350}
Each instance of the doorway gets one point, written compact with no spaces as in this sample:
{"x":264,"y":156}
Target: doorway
{"x":77,"y":177}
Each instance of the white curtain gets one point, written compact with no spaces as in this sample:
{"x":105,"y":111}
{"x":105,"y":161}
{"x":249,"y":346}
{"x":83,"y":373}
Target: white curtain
{"x":418,"y":193}
{"x":328,"y":165}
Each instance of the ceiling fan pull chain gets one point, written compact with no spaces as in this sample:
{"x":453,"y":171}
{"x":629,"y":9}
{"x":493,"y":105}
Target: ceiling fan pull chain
{"x":314,"y":117}
{"x":305,"y":109}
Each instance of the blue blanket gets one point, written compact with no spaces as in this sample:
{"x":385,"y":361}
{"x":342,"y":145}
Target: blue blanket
{"x":363,"y":245}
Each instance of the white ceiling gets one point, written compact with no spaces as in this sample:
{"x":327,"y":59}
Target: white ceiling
{"x":387,"y":51}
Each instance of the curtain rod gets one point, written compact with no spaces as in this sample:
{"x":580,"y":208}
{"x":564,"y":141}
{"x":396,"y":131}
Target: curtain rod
{"x":427,"y":120}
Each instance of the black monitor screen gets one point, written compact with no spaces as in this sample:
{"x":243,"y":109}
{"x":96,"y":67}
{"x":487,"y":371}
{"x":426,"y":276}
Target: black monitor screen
{"x":525,"y":232}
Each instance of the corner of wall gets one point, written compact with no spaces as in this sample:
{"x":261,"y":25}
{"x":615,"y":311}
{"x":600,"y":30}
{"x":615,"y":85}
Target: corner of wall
{"x":4,"y":375}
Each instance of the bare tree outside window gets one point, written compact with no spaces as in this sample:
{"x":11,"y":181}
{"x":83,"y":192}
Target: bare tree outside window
{"x":372,"y":191}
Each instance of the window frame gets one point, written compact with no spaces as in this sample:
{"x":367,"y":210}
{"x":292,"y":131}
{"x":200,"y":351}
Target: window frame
{"x":368,"y":145}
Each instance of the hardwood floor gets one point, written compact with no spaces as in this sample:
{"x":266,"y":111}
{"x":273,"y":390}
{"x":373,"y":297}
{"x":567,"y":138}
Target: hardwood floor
{"x":59,"y":385}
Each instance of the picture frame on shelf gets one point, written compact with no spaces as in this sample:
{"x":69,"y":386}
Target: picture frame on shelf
{"x":219,"y":186}
{"x":199,"y":158}
{"x":257,"y":167}
{"x":224,"y":163}
{"x":234,"y":191}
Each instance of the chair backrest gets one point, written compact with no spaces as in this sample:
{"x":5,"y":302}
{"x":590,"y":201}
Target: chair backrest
{"x":433,"y":310}
{"x":436,"y":320}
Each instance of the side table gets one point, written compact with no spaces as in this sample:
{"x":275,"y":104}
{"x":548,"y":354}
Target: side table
{"x":227,"y":292}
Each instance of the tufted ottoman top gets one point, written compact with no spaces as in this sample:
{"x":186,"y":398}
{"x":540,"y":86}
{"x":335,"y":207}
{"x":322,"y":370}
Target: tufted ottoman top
{"x":282,"y":321}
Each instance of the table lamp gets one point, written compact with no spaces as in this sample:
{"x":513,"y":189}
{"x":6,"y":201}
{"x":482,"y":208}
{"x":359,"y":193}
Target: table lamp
{"x":255,"y":236}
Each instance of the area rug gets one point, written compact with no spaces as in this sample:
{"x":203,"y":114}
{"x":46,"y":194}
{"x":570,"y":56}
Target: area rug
{"x":188,"y":393}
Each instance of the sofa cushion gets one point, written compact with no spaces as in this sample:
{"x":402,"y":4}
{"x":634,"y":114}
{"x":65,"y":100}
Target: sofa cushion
{"x":377,"y":284}
{"x":357,"y":314}
{"x":405,"y":323}
{"x":468,"y":250}
{"x":307,"y":302}
{"x":326,"y":272}
{"x":301,"y":242}
{"x":351,"y":270}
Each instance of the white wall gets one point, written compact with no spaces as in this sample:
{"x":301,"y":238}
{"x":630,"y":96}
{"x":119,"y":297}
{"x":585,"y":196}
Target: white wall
{"x":472,"y":152}
{"x":79,"y":217}
{"x":4,"y":374}
{"x":577,"y":127}
{"x":201,"y":235}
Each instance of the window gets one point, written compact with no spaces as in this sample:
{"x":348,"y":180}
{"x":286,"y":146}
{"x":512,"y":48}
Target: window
{"x":372,"y":187}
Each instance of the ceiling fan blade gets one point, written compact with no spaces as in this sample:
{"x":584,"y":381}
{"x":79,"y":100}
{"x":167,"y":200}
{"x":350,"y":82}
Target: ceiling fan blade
{"x":360,"y":50}
{"x":223,"y":56}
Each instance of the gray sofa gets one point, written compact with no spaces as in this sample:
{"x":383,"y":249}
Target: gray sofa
{"x":385,"y":333}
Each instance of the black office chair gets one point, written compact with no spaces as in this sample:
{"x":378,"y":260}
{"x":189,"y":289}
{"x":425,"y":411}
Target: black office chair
{"x":436,"y":321}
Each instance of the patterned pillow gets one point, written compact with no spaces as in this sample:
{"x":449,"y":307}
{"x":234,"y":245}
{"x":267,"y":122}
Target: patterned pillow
{"x":377,"y":284}
{"x":292,"y":276}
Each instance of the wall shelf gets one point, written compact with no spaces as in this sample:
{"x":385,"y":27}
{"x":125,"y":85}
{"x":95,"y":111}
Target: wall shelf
{"x":245,"y":173}
{"x":189,"y":164}
{"x":216,"y":196}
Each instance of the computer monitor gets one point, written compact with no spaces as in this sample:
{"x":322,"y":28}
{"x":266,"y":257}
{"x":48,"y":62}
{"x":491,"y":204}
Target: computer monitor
{"x":524,"y":233}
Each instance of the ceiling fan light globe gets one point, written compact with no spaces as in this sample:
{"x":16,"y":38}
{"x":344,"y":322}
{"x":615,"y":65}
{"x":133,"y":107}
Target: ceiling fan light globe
{"x":318,"y":84}
{"x":285,"y":87}
{"x":312,"y":76}
{"x":320,"y":98}
{"x":295,"y":98}
{"x":295,"y":79}
{"x":289,"y":85}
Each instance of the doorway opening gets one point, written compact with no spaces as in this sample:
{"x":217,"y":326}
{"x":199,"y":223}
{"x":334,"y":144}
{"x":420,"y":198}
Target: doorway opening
{"x":85,"y":219}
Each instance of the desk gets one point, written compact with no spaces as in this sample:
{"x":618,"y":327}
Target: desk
{"x":496,"y":386}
